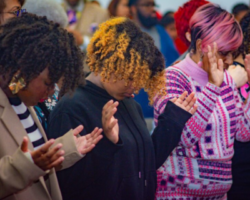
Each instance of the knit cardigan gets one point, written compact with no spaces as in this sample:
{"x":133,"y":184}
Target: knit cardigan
{"x":200,"y":166}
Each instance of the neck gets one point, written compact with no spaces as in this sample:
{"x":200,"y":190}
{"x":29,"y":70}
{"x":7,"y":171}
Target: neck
{"x":240,"y":59}
{"x":95,"y":79}
{"x":195,"y":57}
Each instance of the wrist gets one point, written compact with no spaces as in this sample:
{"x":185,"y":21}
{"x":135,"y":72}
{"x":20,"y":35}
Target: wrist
{"x":113,"y":139}
{"x":216,"y":84}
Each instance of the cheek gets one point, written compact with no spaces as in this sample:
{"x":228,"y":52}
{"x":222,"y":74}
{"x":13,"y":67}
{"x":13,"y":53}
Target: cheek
{"x":38,"y":90}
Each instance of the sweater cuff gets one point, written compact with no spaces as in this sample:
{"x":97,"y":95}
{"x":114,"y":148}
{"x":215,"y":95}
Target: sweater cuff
{"x":108,"y":148}
{"x":176,"y":113}
{"x":71,"y":155}
{"x":25,"y":165}
{"x":28,"y":155}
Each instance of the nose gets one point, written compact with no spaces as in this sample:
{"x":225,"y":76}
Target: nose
{"x":50,"y":91}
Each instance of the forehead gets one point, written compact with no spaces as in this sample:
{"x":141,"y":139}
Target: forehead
{"x":9,"y":4}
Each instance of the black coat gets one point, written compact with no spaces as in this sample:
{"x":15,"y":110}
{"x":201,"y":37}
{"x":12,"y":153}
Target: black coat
{"x":240,"y":189}
{"x":123,"y":171}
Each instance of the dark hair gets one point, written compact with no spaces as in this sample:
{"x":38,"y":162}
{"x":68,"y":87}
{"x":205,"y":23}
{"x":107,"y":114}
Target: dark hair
{"x":121,"y":49}
{"x":168,"y":13}
{"x":132,"y":2}
{"x":239,"y":7}
{"x":30,"y":44}
{"x":244,"y":49}
{"x":167,"y":20}
{"x":112,"y":7}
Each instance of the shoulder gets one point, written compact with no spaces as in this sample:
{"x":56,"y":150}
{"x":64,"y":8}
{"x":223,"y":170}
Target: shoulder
{"x":163,"y":33}
{"x":174,"y":73}
{"x":161,"y":29}
{"x":98,"y":9}
{"x":72,"y":103}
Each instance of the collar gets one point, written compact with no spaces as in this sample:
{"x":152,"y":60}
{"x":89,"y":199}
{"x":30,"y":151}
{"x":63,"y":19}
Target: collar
{"x":91,"y":87}
{"x":194,"y":70}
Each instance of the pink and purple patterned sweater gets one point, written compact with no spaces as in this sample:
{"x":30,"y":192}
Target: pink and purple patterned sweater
{"x":200,"y":166}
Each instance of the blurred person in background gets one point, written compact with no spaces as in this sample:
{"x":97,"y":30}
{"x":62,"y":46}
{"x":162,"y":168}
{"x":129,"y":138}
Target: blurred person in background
{"x":84,"y":18}
{"x":119,"y":8}
{"x":201,"y":166}
{"x":169,"y":24}
{"x":144,"y":14}
{"x":240,"y":10}
{"x":182,"y":17}
{"x":11,"y":9}
{"x":167,"y":19}
{"x":96,"y":2}
{"x":241,"y":160}
{"x":54,"y":12}
{"x":169,"y":13}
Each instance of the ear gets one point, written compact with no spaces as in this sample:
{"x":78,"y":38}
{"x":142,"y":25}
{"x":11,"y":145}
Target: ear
{"x":199,"y":46}
{"x":188,"y":36}
{"x":133,"y":11}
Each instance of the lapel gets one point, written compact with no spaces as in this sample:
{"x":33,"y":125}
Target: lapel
{"x":12,"y":122}
{"x":15,"y":127}
{"x":36,"y":120}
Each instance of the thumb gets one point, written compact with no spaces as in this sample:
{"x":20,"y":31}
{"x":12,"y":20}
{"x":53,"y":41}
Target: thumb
{"x":24,"y":145}
{"x":78,"y":130}
{"x":220,"y":65}
{"x":231,"y":67}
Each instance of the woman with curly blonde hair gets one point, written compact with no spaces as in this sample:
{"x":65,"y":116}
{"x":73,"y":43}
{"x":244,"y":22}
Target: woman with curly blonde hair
{"x":123,"y":165}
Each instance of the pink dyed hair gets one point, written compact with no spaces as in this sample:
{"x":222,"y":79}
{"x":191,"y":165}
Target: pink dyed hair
{"x":210,"y":23}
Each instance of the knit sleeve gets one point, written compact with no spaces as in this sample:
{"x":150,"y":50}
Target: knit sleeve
{"x":177,"y":83}
{"x":243,"y":118}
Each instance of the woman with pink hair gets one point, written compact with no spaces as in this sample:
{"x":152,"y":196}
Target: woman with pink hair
{"x":182,"y":17}
{"x":200,"y":166}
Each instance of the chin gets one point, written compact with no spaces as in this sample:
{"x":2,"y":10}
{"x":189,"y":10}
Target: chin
{"x":29,"y":104}
{"x":119,"y":98}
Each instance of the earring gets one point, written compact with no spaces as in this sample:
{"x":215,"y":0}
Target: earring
{"x":16,"y":84}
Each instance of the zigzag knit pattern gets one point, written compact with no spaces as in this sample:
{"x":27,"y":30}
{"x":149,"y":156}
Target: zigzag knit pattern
{"x":200,"y":166}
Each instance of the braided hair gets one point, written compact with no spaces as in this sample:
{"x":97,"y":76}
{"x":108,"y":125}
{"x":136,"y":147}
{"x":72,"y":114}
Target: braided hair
{"x":121,"y":49}
{"x":244,"y":49}
{"x":29,"y":44}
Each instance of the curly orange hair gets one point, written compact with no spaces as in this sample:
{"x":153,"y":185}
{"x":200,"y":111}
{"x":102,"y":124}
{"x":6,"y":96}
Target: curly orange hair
{"x":121,"y":49}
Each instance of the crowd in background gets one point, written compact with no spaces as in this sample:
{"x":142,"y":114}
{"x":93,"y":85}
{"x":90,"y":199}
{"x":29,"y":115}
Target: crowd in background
{"x":124,"y":103}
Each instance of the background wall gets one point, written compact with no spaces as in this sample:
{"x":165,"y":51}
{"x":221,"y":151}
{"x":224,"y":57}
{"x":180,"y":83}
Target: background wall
{"x":165,"y":5}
